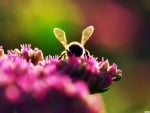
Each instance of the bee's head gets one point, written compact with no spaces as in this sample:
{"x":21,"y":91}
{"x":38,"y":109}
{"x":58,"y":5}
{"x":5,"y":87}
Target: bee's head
{"x":75,"y":48}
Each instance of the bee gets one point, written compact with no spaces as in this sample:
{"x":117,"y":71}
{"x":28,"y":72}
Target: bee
{"x":74,"y":48}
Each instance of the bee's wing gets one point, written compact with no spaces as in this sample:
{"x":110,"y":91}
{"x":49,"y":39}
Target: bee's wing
{"x":86,"y":34}
{"x":60,"y":35}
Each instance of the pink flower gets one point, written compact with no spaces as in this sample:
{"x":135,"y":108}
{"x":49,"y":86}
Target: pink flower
{"x":98,"y":75}
{"x":30,"y":83}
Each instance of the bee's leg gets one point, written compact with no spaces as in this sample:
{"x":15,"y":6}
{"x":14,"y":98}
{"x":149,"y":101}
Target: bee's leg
{"x":87,"y":53}
{"x":62,"y":55}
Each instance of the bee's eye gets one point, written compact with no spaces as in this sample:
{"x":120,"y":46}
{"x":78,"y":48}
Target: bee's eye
{"x":76,"y":50}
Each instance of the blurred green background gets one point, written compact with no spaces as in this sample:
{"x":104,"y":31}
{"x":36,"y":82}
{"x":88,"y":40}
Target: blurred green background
{"x":122,"y":34}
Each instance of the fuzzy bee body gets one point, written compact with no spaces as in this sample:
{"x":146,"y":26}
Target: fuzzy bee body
{"x":74,"y":48}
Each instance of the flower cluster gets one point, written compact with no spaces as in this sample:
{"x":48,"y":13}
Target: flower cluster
{"x":97,"y":75}
{"x":30,"y":83}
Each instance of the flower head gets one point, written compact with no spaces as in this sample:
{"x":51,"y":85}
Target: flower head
{"x":98,"y":75}
{"x":33,"y":55}
{"x":30,"y":83}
